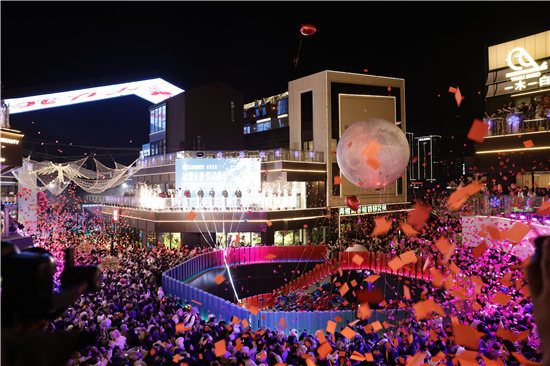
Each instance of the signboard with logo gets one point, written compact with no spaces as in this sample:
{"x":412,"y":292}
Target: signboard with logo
{"x":519,"y":66}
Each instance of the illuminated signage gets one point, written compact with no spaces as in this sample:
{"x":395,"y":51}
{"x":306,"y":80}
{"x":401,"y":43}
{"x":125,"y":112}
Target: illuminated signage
{"x":363,"y":209}
{"x":116,"y":215}
{"x":232,"y":174}
{"x":525,"y":69}
{"x":525,"y":60}
{"x":153,"y":90}
{"x":425,"y":139}
{"x":11,"y":152}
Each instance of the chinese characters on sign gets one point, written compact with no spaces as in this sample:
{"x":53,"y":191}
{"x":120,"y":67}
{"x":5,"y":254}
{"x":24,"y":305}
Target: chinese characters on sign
{"x":363,"y":209}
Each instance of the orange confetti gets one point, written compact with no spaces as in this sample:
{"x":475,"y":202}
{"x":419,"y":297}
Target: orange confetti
{"x":478,"y":131}
{"x":373,"y":163}
{"x":479,"y":250}
{"x":407,"y":229}
{"x":528,"y":143}
{"x":501,"y":298}
{"x":220,"y":348}
{"x":219,"y":279}
{"x":344,"y":289}
{"x":396,"y":264}
{"x":357,"y":259}
{"x":382,"y":226}
{"x":192,"y":215}
{"x":270,"y":256}
{"x":372,"y":149}
{"x":324,"y":349}
{"x":408,"y":257}
{"x":254,"y":310}
{"x":337,"y":180}
{"x":331,"y":327}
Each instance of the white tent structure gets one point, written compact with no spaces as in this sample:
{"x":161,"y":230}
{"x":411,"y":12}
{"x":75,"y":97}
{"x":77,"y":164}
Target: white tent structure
{"x":56,"y":177}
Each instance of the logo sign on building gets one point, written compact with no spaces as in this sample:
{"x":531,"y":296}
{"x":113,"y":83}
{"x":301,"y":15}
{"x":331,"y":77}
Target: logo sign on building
{"x":116,"y":215}
{"x":519,"y":66}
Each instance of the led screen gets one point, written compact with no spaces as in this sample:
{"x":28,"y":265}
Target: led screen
{"x":244,"y":174}
{"x":153,"y":90}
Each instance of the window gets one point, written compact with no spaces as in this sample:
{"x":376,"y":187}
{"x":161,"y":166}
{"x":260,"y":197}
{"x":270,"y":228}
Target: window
{"x":257,"y":112}
{"x":158,"y":119}
{"x":244,"y":114}
{"x":232,"y":112}
{"x":246,"y":130}
{"x":282,"y":106}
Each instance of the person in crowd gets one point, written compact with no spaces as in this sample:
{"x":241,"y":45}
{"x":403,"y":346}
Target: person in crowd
{"x":200,"y":194}
{"x":522,"y":108}
{"x":187,"y":194}
{"x":212,"y":195}
{"x":225,"y":195}
{"x":238,"y":195}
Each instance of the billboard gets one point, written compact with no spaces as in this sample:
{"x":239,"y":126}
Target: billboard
{"x":153,"y":90}
{"x":232,"y":174}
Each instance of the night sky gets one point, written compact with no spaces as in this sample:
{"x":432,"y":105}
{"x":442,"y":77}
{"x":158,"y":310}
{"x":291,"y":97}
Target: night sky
{"x":250,"y":46}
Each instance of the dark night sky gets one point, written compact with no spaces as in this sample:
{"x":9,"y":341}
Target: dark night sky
{"x":250,"y":46}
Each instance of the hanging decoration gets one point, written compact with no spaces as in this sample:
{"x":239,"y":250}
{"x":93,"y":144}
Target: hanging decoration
{"x":56,"y":177}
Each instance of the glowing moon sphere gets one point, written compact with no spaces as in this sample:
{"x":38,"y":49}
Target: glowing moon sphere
{"x":393,"y":154}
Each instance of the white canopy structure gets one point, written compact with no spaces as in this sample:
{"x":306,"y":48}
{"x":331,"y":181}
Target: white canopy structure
{"x":56,"y":177}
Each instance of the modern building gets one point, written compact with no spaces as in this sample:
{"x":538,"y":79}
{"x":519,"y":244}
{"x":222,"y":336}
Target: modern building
{"x":427,"y":166}
{"x":270,"y":117}
{"x":517,"y":145}
{"x":277,"y":151}
{"x":410,"y":167}
{"x":184,"y":121}
{"x":291,"y":197}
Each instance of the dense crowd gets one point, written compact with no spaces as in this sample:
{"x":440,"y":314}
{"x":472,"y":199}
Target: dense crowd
{"x":137,"y":326}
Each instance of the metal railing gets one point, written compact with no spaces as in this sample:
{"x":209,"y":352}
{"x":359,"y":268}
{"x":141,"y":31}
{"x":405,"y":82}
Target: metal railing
{"x":516,"y":123}
{"x":264,"y":155}
{"x":207,"y":203}
{"x":506,"y":205}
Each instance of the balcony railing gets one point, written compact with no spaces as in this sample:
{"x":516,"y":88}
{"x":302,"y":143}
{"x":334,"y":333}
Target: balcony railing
{"x":207,"y":204}
{"x":516,"y":123}
{"x":264,"y":155}
{"x":506,"y":205}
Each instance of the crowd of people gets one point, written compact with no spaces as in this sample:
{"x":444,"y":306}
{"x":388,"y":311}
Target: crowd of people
{"x":136,"y":323}
{"x":534,"y":110}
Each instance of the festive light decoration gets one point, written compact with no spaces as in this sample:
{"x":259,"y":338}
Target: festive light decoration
{"x":56,"y":177}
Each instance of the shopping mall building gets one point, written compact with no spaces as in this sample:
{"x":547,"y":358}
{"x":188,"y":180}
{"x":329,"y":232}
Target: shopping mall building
{"x":277,"y":151}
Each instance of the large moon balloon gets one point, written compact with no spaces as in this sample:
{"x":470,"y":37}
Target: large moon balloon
{"x":393,"y":154}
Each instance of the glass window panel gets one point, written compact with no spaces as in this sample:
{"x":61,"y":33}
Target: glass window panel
{"x":156,"y":120}
{"x":163,"y":127}
{"x":152,"y":128}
